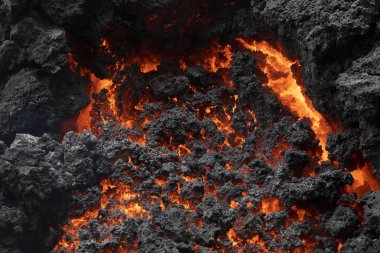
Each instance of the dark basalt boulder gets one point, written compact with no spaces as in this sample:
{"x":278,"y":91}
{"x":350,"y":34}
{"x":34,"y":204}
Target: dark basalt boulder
{"x":168,"y":86}
{"x":371,"y":208}
{"x":37,"y":175}
{"x":38,"y":91}
{"x":361,"y":244}
{"x":358,"y":99}
{"x":322,"y":187}
{"x":343,"y":221}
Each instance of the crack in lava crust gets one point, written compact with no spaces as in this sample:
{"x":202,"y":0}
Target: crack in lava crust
{"x":190,"y":116}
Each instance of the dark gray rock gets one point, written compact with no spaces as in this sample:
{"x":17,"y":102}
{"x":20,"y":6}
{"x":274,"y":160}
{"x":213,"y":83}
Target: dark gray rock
{"x":200,"y":77}
{"x":343,"y":221}
{"x":329,"y":38}
{"x":323,"y":187}
{"x":38,"y":91}
{"x":5,"y":17}
{"x":358,"y":96}
{"x":296,"y":160}
{"x":361,"y":244}
{"x":371,"y":208}
{"x":168,"y":86}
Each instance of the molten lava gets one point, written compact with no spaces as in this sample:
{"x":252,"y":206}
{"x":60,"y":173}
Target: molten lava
{"x":123,"y":201}
{"x":364,"y":181}
{"x":281,"y":80}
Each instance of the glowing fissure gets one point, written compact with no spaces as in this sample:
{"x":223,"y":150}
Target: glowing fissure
{"x":281,"y":80}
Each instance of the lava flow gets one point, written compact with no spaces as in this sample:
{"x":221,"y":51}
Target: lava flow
{"x":281,"y":80}
{"x":192,"y":115}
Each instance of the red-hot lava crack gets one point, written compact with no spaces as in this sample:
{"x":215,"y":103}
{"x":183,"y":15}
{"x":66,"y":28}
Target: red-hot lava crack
{"x":222,"y":142}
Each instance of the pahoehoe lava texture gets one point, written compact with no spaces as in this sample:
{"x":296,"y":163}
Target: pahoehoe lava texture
{"x":213,"y":161}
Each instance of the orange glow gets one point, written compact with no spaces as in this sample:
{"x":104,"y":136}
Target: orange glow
{"x":252,"y":114}
{"x":188,"y":179}
{"x":270,"y":205}
{"x":229,"y":166}
{"x":223,"y":120}
{"x":160,"y":182}
{"x":281,"y":80}
{"x":218,"y":57}
{"x":86,"y":118}
{"x":233,"y":237}
{"x":110,"y":191}
{"x":300,"y":213}
{"x":234,"y":204}
{"x":240,"y":243}
{"x":364,"y":181}
{"x":340,"y":245}
{"x":183,"y":150}
{"x":256,"y":240}
{"x":147,"y":64}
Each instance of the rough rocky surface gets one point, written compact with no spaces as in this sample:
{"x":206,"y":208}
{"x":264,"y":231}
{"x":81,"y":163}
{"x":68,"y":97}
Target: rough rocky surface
{"x":38,"y":91}
{"x":45,"y":182}
{"x":336,"y":42}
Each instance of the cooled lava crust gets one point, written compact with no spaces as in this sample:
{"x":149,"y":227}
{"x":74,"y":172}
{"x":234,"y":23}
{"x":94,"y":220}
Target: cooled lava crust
{"x":185,"y":126}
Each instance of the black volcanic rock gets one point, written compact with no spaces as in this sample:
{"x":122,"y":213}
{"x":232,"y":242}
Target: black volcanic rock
{"x":213,"y":212}
{"x":359,"y":88}
{"x":200,"y":77}
{"x":168,"y":86}
{"x":5,"y":17}
{"x":33,"y":182}
{"x":342,"y":147}
{"x":361,"y":244}
{"x":38,"y":91}
{"x":37,"y":176}
{"x":89,"y":18}
{"x":215,"y":168}
{"x":323,"y":187}
{"x":359,"y":93}
{"x":326,"y":35}
{"x":332,"y":39}
{"x":343,"y":221}
{"x":371,"y":208}
{"x":296,"y":160}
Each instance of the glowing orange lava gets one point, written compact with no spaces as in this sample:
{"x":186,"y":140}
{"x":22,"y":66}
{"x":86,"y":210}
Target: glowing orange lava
{"x":128,"y":203}
{"x":364,"y":181}
{"x":270,"y":205}
{"x":281,"y":80}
